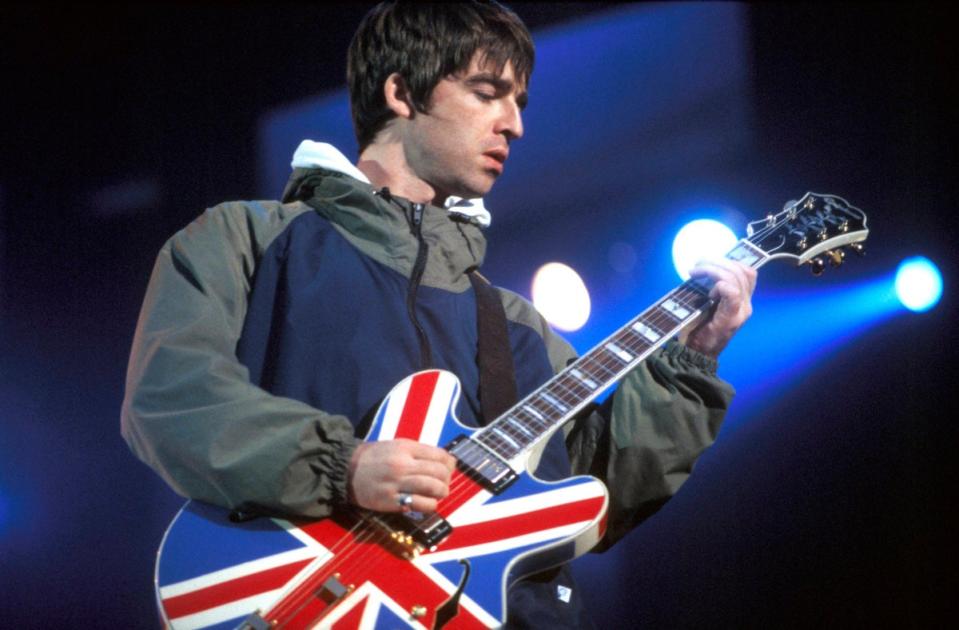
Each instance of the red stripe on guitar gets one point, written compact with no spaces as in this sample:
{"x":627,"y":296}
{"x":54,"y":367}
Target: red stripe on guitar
{"x":462,"y":489}
{"x":417,"y":404}
{"x":352,"y":618}
{"x":500,"y":529}
{"x":232,"y":590}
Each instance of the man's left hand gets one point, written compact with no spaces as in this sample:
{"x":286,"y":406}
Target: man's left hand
{"x":733,"y":291}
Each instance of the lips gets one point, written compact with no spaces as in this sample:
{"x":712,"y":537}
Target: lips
{"x":499,"y":155}
{"x":496,"y":158}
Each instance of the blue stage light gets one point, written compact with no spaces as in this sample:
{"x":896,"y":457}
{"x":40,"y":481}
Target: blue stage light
{"x":703,"y":238}
{"x":918,"y":283}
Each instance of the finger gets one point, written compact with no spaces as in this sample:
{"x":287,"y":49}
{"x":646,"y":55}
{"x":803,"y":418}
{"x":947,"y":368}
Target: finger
{"x":426,"y":452}
{"x":424,"y":486}
{"x":729,"y":296}
{"x":430,"y":468}
{"x":735,"y":274}
{"x":718,"y":270}
{"x":744,"y":274}
{"x":423,"y":504}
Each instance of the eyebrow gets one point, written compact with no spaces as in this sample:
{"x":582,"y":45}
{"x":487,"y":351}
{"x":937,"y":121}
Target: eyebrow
{"x":502,"y":86}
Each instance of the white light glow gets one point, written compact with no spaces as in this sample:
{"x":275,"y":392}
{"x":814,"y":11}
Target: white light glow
{"x":560,"y":296}
{"x":918,"y":283}
{"x":703,"y":238}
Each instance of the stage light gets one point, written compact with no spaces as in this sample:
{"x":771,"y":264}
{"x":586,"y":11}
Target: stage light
{"x":560,"y":296}
{"x":918,"y":283}
{"x":703,"y":238}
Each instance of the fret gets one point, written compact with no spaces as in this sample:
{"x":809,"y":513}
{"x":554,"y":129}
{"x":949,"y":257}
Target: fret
{"x":675,"y":309}
{"x":692,"y":300}
{"x":515,"y":422}
{"x":646,"y":331}
{"x":503,"y":435}
{"x":554,"y":402}
{"x":536,"y":422}
{"x":577,"y":390}
{"x":582,"y":378}
{"x":633,"y":341}
{"x":557,"y":385}
{"x":619,"y":352}
{"x":530,"y":409}
{"x":595,"y":364}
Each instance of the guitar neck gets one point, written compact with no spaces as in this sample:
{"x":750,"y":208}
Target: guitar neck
{"x":558,"y":400}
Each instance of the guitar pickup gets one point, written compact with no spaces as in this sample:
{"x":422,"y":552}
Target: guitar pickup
{"x":481,"y":465}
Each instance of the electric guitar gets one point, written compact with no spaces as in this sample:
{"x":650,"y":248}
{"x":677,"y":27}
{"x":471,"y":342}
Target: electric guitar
{"x":453,"y":568}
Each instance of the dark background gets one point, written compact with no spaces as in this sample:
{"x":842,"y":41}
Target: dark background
{"x":835,"y":515}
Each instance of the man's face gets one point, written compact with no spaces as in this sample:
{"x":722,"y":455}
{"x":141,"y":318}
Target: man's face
{"x":460,"y":145}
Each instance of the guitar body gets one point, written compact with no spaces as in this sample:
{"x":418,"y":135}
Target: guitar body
{"x":347,"y":572}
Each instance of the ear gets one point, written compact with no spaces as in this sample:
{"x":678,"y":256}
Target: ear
{"x":397,"y":96}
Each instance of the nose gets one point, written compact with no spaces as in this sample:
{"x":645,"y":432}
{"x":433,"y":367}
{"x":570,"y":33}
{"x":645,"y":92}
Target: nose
{"x":510,"y":121}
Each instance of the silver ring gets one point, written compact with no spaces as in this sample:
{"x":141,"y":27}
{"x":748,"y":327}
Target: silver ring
{"x":405,"y":499}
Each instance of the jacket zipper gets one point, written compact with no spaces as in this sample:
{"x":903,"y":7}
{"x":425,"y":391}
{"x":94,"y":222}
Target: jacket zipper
{"x":426,"y":354}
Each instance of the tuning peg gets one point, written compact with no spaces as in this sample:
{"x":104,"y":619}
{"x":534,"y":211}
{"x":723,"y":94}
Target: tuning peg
{"x":817,"y":265}
{"x":836,"y":256}
{"x":859,"y":248}
{"x":800,"y":242}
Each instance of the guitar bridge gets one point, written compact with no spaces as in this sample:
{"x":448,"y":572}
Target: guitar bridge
{"x":413,"y":532}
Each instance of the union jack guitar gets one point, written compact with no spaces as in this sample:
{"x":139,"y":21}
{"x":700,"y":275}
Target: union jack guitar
{"x":452,"y":568}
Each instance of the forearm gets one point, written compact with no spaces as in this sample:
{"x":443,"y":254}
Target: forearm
{"x":646,"y":440}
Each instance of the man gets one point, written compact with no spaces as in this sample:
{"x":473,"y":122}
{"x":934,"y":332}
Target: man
{"x":270,"y":331}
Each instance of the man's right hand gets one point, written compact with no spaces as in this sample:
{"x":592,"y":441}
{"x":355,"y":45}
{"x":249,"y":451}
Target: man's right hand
{"x":381,"y":471}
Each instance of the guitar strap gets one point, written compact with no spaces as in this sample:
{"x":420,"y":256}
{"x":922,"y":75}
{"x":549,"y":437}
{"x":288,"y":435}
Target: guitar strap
{"x":497,"y":383}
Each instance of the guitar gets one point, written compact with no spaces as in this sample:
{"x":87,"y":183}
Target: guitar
{"x":499,"y":523}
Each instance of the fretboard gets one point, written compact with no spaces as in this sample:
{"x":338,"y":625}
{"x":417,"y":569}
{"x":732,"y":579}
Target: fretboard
{"x":567,"y":393}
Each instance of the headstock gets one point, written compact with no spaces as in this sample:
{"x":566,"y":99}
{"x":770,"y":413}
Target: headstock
{"x":816,"y":229}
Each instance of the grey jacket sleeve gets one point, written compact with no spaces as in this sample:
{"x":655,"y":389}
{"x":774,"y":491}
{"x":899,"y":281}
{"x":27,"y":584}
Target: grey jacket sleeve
{"x":190,"y":411}
{"x":644,"y":440}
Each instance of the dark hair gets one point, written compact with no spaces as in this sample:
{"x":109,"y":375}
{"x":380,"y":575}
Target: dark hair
{"x":424,"y":43}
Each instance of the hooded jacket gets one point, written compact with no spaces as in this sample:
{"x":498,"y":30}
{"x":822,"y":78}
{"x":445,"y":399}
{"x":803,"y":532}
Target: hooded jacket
{"x":270,"y":331}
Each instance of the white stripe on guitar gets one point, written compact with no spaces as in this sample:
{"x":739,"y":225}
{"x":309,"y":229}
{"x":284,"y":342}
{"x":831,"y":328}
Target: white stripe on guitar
{"x":446,"y":386}
{"x":504,"y":544}
{"x":470,"y":513}
{"x":393,"y":411}
{"x":240,"y":570}
{"x":238,"y":608}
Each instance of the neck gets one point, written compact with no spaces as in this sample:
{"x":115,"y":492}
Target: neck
{"x":385,"y":165}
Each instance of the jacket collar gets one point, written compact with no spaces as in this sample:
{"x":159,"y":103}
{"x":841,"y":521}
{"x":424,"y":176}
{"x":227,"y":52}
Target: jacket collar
{"x":312,"y":154}
{"x":379,"y":225}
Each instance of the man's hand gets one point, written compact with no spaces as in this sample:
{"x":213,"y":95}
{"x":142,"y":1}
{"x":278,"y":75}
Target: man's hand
{"x":733,"y":289}
{"x":380,"y":471}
